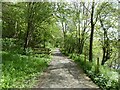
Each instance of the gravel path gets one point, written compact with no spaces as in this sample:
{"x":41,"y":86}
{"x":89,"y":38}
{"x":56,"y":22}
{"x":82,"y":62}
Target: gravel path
{"x":63,"y":73}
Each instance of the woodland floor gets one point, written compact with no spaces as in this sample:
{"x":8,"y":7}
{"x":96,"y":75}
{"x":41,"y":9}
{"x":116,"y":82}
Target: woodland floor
{"x":64,"y":73}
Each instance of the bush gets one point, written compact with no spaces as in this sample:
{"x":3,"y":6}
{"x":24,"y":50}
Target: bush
{"x":11,"y":45}
{"x":105,"y":79}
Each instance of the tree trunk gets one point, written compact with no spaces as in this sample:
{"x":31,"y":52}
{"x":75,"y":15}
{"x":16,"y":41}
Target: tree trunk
{"x":91,"y":45}
{"x":64,"y":33}
{"x":29,"y":25}
{"x":103,"y":59}
{"x":106,"y":46}
{"x":91,"y":35}
{"x":79,"y":33}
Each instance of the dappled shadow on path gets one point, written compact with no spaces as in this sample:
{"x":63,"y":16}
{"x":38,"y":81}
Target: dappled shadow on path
{"x":70,"y":67}
{"x":63,"y":73}
{"x":57,"y":54}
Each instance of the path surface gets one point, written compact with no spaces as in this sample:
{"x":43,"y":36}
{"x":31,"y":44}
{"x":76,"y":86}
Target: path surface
{"x":63,"y":73}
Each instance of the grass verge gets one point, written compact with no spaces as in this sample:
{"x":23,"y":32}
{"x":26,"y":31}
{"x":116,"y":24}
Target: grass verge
{"x":21,"y":71}
{"x":106,"y":79}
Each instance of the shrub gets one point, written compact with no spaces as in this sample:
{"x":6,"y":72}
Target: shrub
{"x":105,"y":79}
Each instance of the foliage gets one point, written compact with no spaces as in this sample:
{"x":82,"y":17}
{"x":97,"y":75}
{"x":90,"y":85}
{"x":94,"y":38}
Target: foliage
{"x":80,"y":29}
{"x":11,"y":44}
{"x":20,"y":71}
{"x":105,"y":79}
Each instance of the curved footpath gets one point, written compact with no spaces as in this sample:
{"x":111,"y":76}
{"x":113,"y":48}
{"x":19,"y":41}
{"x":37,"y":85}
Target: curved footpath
{"x":64,"y":73}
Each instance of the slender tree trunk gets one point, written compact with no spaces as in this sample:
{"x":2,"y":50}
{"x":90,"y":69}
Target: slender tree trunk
{"x":79,"y":44}
{"x":106,"y":45}
{"x":27,"y":35}
{"x":103,"y":58}
{"x":79,"y":33}
{"x":91,"y":35}
{"x":83,"y":32}
{"x":28,"y":26}
{"x":64,"y":33}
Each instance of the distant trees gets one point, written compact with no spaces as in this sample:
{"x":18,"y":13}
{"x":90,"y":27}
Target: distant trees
{"x":87,"y":22}
{"x":31,"y":24}
{"x":77,"y":27}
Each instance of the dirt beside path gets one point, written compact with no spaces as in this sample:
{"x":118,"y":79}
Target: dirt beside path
{"x":63,"y":73}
